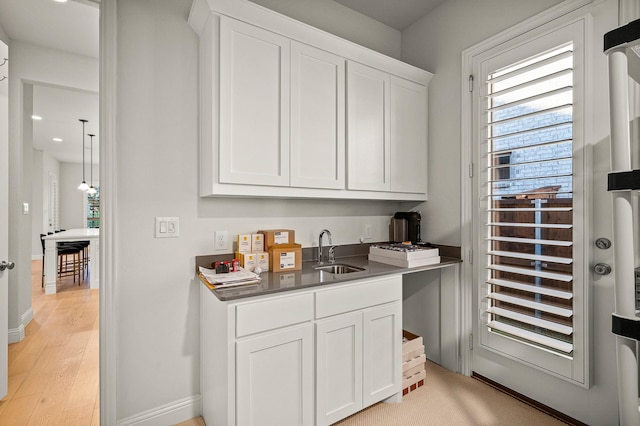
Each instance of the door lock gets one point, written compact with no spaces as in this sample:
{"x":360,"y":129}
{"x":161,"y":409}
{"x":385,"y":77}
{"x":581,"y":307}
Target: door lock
{"x":602,"y":269}
{"x":6,"y":265}
{"x":603,"y":243}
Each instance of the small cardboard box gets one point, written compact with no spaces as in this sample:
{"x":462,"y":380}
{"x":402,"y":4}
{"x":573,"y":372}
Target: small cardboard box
{"x":244,"y":243}
{"x":285,"y":257}
{"x":411,"y":345}
{"x":262,"y":260}
{"x":247,"y":260}
{"x":274,"y":237}
{"x":413,"y":382}
{"x":257,"y":243}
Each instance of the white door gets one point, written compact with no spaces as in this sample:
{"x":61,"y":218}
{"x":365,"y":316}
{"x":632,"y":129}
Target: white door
{"x":368,"y":129}
{"x":254,"y":105}
{"x":539,"y":201}
{"x":338,"y":367}
{"x":382,"y":352}
{"x":408,"y":136}
{"x":4,"y":215}
{"x":317,"y":118}
{"x":275,"y":378}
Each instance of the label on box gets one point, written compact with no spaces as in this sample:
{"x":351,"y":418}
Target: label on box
{"x":263,"y":261}
{"x":257,"y":243}
{"x":244,"y":243}
{"x":281,"y":237}
{"x":288,"y":260}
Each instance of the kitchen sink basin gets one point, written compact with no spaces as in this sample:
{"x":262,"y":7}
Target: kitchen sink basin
{"x":338,"y":268}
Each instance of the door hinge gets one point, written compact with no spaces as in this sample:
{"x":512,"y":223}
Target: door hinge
{"x":471,"y":83}
{"x":470,"y":170}
{"x":471,"y":342}
{"x":471,"y":256}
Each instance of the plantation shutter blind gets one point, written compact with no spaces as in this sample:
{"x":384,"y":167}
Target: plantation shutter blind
{"x":529,"y":181}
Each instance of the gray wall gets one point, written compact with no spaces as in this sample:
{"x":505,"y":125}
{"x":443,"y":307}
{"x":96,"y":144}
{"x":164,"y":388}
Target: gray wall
{"x":435,"y":43}
{"x":337,"y":19}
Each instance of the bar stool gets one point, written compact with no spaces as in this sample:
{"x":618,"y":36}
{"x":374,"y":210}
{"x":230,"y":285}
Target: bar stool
{"x":66,"y":267}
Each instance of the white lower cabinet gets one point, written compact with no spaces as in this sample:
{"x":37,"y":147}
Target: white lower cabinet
{"x":338,"y":367}
{"x":275,"y":378}
{"x":382,"y":354}
{"x":303,"y":358}
{"x":357,"y":361}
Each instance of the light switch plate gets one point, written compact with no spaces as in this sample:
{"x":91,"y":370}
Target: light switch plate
{"x":167,"y":227}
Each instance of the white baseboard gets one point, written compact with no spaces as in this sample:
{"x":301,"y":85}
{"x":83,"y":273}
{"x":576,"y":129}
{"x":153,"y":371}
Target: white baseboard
{"x":36,"y":257}
{"x":17,"y":334}
{"x":169,"y":414}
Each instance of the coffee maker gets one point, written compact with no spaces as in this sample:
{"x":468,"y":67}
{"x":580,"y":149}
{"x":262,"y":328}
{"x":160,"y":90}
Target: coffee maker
{"x":405,"y":226}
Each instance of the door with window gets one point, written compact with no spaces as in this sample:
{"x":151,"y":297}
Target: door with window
{"x":532,"y":222}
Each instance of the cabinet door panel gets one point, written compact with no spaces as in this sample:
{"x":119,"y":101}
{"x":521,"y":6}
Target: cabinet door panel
{"x":368,"y":134}
{"x":382,"y":330}
{"x":254,"y":105}
{"x":338,"y":367}
{"x":317,"y":118}
{"x":408,"y":136}
{"x":275,"y":378}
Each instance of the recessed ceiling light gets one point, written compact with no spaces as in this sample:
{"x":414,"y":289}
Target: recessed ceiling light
{"x":60,"y":1}
{"x":36,"y":117}
{"x":57,"y":140}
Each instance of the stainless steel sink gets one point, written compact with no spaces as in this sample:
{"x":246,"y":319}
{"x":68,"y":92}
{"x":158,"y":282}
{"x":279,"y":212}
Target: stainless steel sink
{"x":338,"y":268}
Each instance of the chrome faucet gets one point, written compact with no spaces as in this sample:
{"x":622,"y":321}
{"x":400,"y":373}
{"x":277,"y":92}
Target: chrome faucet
{"x":324,"y":231}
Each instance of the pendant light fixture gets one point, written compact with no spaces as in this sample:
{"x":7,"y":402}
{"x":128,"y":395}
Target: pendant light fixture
{"x":83,"y":186}
{"x":91,"y":189}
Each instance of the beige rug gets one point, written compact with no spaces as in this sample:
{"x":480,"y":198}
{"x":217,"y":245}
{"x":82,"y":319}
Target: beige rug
{"x":446,"y":399}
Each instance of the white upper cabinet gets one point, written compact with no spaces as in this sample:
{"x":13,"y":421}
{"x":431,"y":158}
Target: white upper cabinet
{"x":290,"y":111}
{"x":368,"y":141}
{"x":317,"y":118}
{"x":254,"y":105}
{"x":408,"y":136}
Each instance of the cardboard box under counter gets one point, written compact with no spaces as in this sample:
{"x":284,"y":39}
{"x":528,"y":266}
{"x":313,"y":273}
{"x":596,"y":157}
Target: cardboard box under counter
{"x":274,"y":237}
{"x":285,"y":257}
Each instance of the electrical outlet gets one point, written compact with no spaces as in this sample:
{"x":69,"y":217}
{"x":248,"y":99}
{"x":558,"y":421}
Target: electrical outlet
{"x":368,"y":231}
{"x":221,"y":240}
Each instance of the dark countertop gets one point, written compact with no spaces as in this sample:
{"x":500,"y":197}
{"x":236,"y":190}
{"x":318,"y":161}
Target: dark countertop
{"x":275,"y":282}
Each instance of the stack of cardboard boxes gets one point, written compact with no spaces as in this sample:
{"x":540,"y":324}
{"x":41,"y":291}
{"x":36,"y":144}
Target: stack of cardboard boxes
{"x":272,"y":250}
{"x":250,"y":252}
{"x":413,"y":362}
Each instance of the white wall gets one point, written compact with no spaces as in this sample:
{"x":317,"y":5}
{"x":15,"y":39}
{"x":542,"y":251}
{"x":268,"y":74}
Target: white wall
{"x":37,"y":204}
{"x":157,"y":149}
{"x":72,"y":200}
{"x":340,"y":20}
{"x":29,"y":65}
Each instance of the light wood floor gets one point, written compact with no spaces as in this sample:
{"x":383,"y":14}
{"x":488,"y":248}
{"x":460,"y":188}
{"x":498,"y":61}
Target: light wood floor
{"x":54,"y":370}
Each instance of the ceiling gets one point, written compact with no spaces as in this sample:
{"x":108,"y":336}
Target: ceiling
{"x":71,"y":27}
{"x":61,"y":109}
{"x":398,"y":14}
